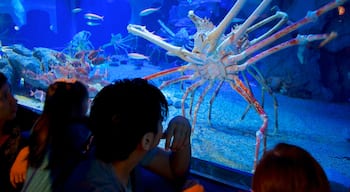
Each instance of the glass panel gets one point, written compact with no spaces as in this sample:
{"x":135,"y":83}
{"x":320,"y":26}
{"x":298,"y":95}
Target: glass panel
{"x":254,"y":72}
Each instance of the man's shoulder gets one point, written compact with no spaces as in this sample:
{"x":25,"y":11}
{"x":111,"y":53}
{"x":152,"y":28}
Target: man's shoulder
{"x":92,"y":175}
{"x":91,"y":167}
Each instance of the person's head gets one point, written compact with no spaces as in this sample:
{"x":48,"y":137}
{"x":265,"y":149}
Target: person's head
{"x":289,"y":168}
{"x":66,"y":98}
{"x":8,"y":104}
{"x":66,"y":102}
{"x":125,"y":115}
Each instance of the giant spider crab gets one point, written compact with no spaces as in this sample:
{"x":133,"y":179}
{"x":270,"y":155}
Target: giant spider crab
{"x":218,"y":57}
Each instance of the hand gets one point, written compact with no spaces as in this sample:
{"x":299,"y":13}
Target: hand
{"x":177,"y":134}
{"x":19,"y":168}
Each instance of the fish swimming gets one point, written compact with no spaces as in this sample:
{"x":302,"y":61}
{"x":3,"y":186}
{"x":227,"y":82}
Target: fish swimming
{"x":77,"y":10}
{"x":38,"y":94}
{"x":90,"y":23}
{"x":148,"y":11}
{"x":137,"y":56}
{"x":93,"y":16}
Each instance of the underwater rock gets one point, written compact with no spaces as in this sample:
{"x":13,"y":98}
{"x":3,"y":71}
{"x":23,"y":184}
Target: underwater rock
{"x":21,"y":50}
{"x":7,"y":70}
{"x":20,"y":63}
{"x":46,"y":57}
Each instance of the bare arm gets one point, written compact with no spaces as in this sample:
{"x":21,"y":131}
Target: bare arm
{"x":19,"y":167}
{"x":173,"y":162}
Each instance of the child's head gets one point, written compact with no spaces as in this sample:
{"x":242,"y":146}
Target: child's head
{"x":122,"y":113}
{"x":289,"y":168}
{"x":66,"y":99}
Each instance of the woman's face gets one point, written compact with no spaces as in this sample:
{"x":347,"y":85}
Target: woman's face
{"x":8,"y":104}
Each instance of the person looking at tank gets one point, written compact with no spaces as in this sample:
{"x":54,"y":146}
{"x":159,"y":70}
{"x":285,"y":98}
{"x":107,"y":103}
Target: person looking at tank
{"x":11,"y":140}
{"x":126,"y":120}
{"x":289,"y":168}
{"x":58,"y":138}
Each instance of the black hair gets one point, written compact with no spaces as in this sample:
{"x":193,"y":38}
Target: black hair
{"x":9,"y":125}
{"x":63,"y":105}
{"x":3,"y":79}
{"x":122,"y":113}
{"x":64,"y":110}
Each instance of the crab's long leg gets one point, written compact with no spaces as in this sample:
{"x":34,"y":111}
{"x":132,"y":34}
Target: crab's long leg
{"x":234,"y":37}
{"x":167,"y":29}
{"x":250,"y":89}
{"x":278,"y":15}
{"x":191,"y":102}
{"x":190,"y":90}
{"x":310,"y":17}
{"x":165,"y":72}
{"x":213,"y":37}
{"x":260,"y":134}
{"x":300,"y":39}
{"x":121,"y":47}
{"x":242,"y":29}
{"x":218,"y":87}
{"x":200,"y":100}
{"x":176,"y":80}
{"x":259,"y":77}
{"x":178,"y":51}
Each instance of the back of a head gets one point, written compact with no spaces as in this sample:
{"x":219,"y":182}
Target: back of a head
{"x":65,"y":103}
{"x":122,"y":113}
{"x":5,"y":111}
{"x":66,"y":100}
{"x":289,"y":168}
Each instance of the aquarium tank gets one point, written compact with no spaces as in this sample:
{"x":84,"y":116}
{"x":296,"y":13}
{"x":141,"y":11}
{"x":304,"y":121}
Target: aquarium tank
{"x":247,"y":73}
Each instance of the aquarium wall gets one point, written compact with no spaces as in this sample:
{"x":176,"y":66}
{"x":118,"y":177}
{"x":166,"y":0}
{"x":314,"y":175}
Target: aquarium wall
{"x":248,"y":74}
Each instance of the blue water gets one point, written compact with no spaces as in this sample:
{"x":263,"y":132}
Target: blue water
{"x":89,"y":40}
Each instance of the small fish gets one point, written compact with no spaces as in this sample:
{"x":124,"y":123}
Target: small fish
{"x":79,"y":55}
{"x":77,"y":10}
{"x":99,"y":60}
{"x":148,"y":11}
{"x":92,"y":16}
{"x":92,"y":54}
{"x":38,"y":94}
{"x":137,"y":56}
{"x":90,"y":23}
{"x":21,"y":82}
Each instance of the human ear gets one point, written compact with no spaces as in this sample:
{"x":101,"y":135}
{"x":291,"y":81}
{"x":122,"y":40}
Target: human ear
{"x":147,"y":141}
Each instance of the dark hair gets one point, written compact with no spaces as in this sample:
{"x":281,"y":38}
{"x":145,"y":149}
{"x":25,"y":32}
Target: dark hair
{"x":3,"y":79}
{"x":64,"y":104}
{"x":9,"y":125}
{"x":122,"y":113}
{"x":289,"y":168}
